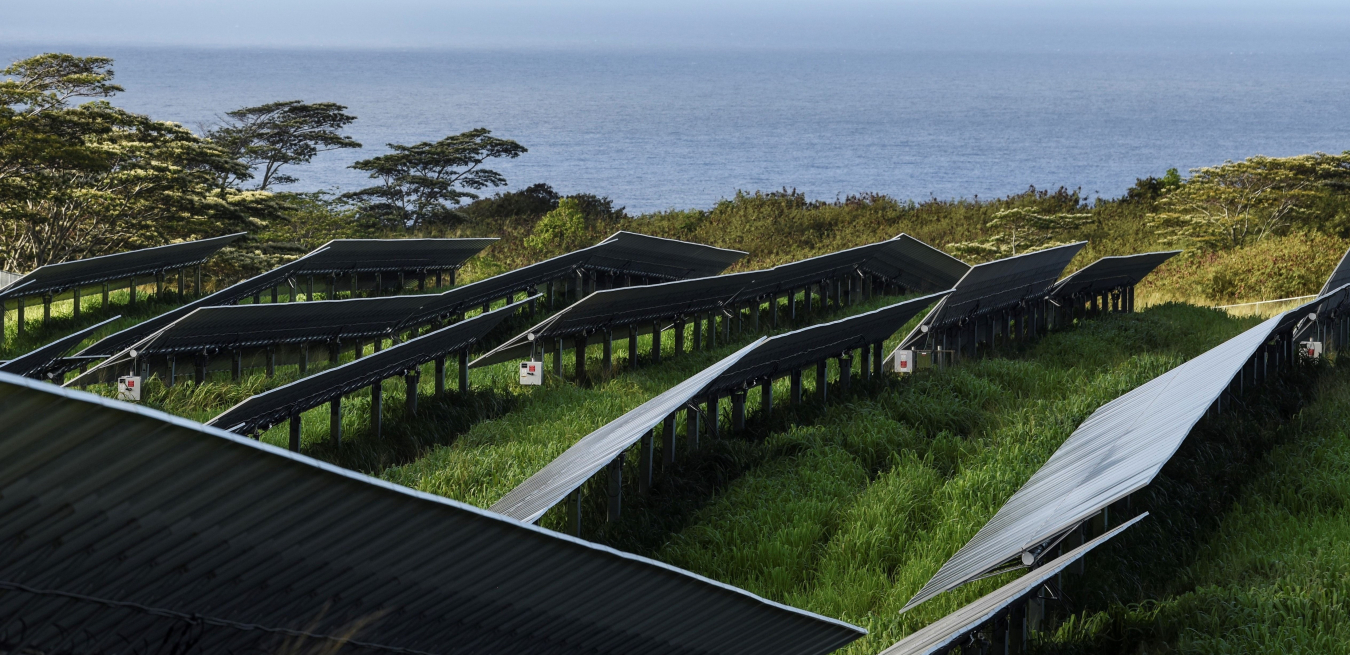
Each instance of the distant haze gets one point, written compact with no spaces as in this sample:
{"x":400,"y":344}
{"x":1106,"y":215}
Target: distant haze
{"x":1114,"y":24}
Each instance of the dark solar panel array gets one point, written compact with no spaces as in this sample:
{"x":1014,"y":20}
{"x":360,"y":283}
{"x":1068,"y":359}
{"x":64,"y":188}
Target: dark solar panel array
{"x":345,"y":256}
{"x":997,"y":285}
{"x":271,"y":407}
{"x":50,"y":359}
{"x":757,"y":362}
{"x":629,"y":253}
{"x":129,"y":530}
{"x":901,"y":258}
{"x":56,"y":278}
{"x":782,"y":354}
{"x":1110,"y":273}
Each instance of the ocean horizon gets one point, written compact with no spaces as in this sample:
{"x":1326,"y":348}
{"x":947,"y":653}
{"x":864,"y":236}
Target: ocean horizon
{"x":663,"y":128}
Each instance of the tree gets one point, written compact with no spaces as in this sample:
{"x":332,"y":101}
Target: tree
{"x":1021,"y":229}
{"x":560,"y":230}
{"x":276,"y":134}
{"x":93,"y":179}
{"x":420,"y":183}
{"x":1237,"y":203}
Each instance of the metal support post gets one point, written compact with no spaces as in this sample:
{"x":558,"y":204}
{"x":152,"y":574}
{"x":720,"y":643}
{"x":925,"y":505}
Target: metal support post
{"x":377,"y":408}
{"x":271,"y":361}
{"x":726,"y":329}
{"x":822,"y":380}
{"x":845,"y":372}
{"x":557,"y":357}
{"x":668,"y":439}
{"x":691,"y":428}
{"x":46,"y":309}
{"x":440,"y":377}
{"x":615,"y":470}
{"x":579,"y":349}
{"x":199,"y":370}
{"x":236,"y":365}
{"x":679,"y":337}
{"x":159,"y":285}
{"x":574,"y":513}
{"x":410,"y":381}
{"x":609,"y":350}
{"x":464,"y":371}
{"x":656,"y":342}
{"x":131,"y":293}
{"x":335,"y":421}
{"x":766,"y":399}
{"x":738,"y":411}
{"x":75,"y":302}
{"x":645,"y":461}
{"x":171,"y":363}
{"x":304,"y":358}
{"x":865,"y":363}
{"x":295,"y":433}
{"x":632,"y":347}
{"x":795,"y":395}
{"x":792,"y":305}
{"x":713,"y":407}
{"x":773,"y":311}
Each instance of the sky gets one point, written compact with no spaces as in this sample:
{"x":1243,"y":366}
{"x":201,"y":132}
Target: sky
{"x":862,"y":24}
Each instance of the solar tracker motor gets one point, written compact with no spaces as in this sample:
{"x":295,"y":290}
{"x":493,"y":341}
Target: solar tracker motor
{"x":531,"y":373}
{"x":1311,"y":349}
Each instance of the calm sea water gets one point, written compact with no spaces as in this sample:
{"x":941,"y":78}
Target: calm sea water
{"x":656,"y":130}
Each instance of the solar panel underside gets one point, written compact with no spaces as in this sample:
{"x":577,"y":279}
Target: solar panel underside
{"x":240,"y":326}
{"x":131,"y":527}
{"x":1339,"y":277}
{"x":274,"y":406}
{"x":945,"y":632}
{"x":1118,"y":450}
{"x":55,"y":278}
{"x":641,"y":254}
{"x":1111,"y":272}
{"x":342,"y":256}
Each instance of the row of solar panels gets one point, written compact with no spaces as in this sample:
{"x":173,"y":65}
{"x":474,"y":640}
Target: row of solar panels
{"x":1117,"y":451}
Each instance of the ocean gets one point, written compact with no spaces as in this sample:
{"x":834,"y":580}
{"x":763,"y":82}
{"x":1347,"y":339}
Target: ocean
{"x":661,"y":129}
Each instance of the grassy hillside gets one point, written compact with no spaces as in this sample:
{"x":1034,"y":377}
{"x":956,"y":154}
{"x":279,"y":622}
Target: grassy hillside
{"x":847,"y":508}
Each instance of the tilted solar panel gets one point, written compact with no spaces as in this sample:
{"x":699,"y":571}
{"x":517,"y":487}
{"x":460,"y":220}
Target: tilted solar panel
{"x":50,"y":358}
{"x":344,"y":256}
{"x":1111,"y":272}
{"x":133,"y":530}
{"x":271,"y":407}
{"x":996,"y":285}
{"x":944,"y":633}
{"x":641,"y":254}
{"x":794,"y":350}
{"x":1340,"y":276}
{"x":901,"y":258}
{"x":528,"y":501}
{"x":1118,"y":450}
{"x":55,"y":278}
{"x":757,"y":361}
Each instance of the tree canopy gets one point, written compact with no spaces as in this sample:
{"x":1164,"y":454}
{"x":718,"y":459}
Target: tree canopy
{"x":84,"y":180}
{"x":270,"y":136}
{"x":421,"y":183}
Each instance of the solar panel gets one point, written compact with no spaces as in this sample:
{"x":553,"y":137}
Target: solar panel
{"x":548,"y":487}
{"x":56,"y":278}
{"x":1118,"y":450}
{"x":133,"y":530}
{"x":629,"y":253}
{"x":345,"y":256}
{"x":759,"y":361}
{"x":784,"y":353}
{"x":272,"y":407}
{"x":994,"y":286}
{"x":1110,"y":273}
{"x":902,"y":258}
{"x":944,"y":633}
{"x":43,"y":360}
{"x":1339,"y":277}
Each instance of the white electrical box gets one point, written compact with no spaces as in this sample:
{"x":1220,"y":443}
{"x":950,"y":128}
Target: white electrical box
{"x":129,"y":388}
{"x":904,"y":361}
{"x":532,"y":373}
{"x":1312,"y":349}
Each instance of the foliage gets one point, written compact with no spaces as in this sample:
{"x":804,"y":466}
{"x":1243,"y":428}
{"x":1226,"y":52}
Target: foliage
{"x":1278,"y":267}
{"x":1036,"y":231}
{"x":1237,"y":203}
{"x":93,"y":179}
{"x":315,"y":218}
{"x":532,"y":201}
{"x":276,"y":134}
{"x":559,"y":231}
{"x":418,"y":184}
